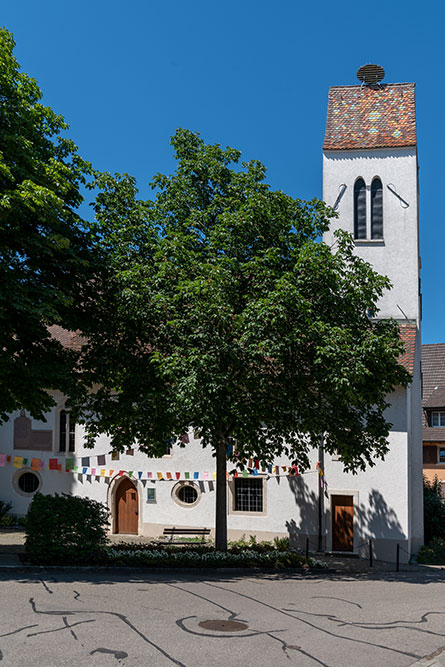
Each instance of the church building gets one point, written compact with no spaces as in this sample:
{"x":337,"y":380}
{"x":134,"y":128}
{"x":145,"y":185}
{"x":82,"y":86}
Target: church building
{"x":370,"y":177}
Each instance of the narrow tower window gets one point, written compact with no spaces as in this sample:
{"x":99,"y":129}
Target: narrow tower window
{"x":376,"y":209}
{"x":360,"y":209}
{"x":67,"y":429}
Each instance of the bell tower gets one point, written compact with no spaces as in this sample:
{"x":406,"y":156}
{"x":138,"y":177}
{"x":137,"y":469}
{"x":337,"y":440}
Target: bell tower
{"x":370,"y":178}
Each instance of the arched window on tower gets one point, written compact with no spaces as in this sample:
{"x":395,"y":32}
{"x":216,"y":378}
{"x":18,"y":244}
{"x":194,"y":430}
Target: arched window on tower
{"x":360,"y":209}
{"x":376,"y":209}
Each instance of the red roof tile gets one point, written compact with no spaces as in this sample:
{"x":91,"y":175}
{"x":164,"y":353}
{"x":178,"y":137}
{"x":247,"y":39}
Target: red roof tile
{"x":371,"y":117}
{"x":408,"y":333}
{"x":69,"y":339}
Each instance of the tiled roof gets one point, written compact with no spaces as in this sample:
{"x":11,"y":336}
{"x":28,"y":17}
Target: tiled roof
{"x":433,"y":388}
{"x":433,"y":368}
{"x":408,"y":334}
{"x":433,"y":433}
{"x":371,"y":117}
{"x":70,"y":339}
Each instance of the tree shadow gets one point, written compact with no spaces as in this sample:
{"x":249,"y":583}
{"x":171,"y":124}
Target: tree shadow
{"x":374,"y":520}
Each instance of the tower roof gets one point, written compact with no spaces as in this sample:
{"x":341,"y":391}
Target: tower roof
{"x":380,"y":116}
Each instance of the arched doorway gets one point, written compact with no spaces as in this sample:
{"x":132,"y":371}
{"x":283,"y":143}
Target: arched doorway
{"x":126,"y":507}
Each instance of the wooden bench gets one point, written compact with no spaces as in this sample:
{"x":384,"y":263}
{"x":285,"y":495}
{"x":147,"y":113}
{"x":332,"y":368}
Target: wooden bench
{"x":189,"y":532}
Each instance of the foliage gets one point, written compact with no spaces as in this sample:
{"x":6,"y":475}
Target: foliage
{"x":5,"y":507}
{"x":44,"y":249}
{"x":158,"y":557}
{"x":433,"y":510}
{"x":221,"y":310}
{"x":65,"y":529}
{"x":432,"y":553}
{"x":234,"y":546}
{"x":7,"y":521}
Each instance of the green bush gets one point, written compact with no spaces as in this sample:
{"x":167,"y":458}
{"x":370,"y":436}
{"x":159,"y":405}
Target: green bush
{"x":7,"y":521}
{"x":170,"y":557}
{"x":432,"y":553}
{"x":65,"y":529}
{"x":4,"y":508}
{"x":433,"y":510}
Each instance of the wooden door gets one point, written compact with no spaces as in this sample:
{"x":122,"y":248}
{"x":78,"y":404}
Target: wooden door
{"x":342,"y":523}
{"x":127,"y":508}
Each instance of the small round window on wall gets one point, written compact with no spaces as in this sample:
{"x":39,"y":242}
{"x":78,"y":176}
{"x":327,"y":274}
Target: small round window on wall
{"x":186,"y":494}
{"x":27,"y":482}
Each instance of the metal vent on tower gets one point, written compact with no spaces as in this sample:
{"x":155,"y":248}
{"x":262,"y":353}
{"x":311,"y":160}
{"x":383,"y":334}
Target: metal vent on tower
{"x":370,"y":74}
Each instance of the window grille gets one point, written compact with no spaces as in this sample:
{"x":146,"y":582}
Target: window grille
{"x":248,"y":495}
{"x":28,"y":482}
{"x":188,"y":494}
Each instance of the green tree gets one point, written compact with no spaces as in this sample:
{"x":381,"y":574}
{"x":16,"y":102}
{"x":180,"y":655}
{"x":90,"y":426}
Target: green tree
{"x":221,"y":310}
{"x":433,"y":510}
{"x":43,"y":245}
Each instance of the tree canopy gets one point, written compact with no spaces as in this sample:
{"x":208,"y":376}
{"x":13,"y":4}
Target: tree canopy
{"x":221,"y":309}
{"x":43,"y":245}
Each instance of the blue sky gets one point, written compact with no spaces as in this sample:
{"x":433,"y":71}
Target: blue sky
{"x":253,"y":75}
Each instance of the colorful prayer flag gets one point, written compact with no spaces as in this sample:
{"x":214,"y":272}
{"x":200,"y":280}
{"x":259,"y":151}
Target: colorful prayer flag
{"x":18,"y":461}
{"x":35,"y":464}
{"x":53,"y":464}
{"x":169,"y":475}
{"x":2,"y":460}
{"x":187,"y":475}
{"x":149,"y":475}
{"x":102,"y":472}
{"x":196,"y":475}
{"x":160,"y":475}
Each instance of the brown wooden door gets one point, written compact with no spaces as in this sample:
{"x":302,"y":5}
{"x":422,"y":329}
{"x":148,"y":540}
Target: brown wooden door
{"x":342,"y":523}
{"x":127,"y":508}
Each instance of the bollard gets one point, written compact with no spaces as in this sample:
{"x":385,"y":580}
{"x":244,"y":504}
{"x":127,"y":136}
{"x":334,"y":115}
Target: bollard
{"x":398,"y":558}
{"x":370,"y":553}
{"x":307,"y":547}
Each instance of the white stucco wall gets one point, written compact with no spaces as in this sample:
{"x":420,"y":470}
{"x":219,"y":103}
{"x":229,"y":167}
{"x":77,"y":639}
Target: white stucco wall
{"x":397,"y":256}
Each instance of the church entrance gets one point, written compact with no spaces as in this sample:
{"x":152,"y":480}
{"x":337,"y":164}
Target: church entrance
{"x":126,"y":508}
{"x":342,"y":523}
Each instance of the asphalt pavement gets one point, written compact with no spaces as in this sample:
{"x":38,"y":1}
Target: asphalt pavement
{"x":78,"y":617}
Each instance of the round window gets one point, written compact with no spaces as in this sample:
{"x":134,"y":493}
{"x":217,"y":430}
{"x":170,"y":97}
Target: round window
{"x":27,"y":483}
{"x":186,"y":494}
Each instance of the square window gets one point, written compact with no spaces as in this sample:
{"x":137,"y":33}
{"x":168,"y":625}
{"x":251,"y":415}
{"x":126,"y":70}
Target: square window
{"x":441,"y":454}
{"x":248,"y":494}
{"x":151,"y":495}
{"x":438,"y":418}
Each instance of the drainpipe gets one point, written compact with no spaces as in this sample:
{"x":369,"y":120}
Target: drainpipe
{"x":320,"y":494}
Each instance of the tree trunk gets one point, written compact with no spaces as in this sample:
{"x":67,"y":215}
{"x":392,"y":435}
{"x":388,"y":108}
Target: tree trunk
{"x":221,"y":497}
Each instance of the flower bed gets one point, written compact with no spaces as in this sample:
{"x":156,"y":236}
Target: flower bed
{"x":205,"y":556}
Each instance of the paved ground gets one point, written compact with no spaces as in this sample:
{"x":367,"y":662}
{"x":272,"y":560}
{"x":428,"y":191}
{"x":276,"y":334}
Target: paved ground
{"x":80,"y":618}
{"x":350,"y":616}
